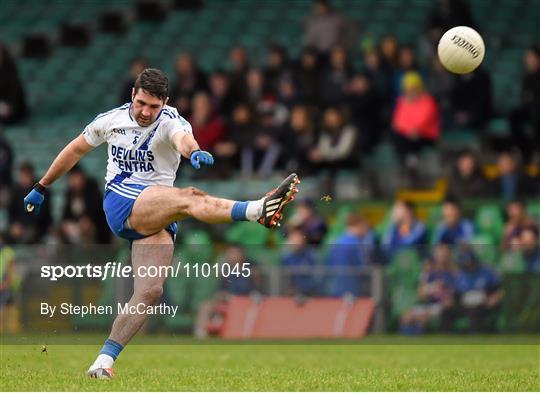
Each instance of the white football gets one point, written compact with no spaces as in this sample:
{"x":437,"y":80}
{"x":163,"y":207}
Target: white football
{"x":461,"y":50}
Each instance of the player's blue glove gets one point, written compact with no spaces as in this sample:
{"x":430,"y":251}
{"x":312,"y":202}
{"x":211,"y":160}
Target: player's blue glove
{"x":201,"y":156}
{"x":34,"y":199}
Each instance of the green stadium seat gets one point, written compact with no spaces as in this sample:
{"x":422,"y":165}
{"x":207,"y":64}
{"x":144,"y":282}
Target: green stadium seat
{"x":489,"y":221}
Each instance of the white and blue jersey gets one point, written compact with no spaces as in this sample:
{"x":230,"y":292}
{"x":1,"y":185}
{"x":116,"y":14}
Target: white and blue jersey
{"x":137,"y":157}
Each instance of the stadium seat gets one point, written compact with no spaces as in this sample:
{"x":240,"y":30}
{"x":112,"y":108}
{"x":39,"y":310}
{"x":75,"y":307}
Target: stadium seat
{"x":489,"y":221}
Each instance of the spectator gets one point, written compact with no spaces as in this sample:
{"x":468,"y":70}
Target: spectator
{"x":466,"y":180}
{"x":287,"y":93}
{"x":83,"y":220}
{"x":450,"y":13}
{"x":335,"y":77}
{"x":337,"y":142}
{"x":242,"y":137}
{"x":236,"y":257}
{"x":415,"y":120}
{"x":137,"y":66}
{"x":312,"y":225}
{"x":300,"y":262}
{"x":6,"y":161}
{"x":435,"y":293}
{"x":381,"y":78}
{"x":364,"y":107}
{"x":13,"y":106}
{"x":221,"y":95}
{"x":326,"y":28}
{"x":349,"y":253}
{"x":527,"y":114}
{"x":454,"y":229}
{"x":25,"y":228}
{"x":440,"y":84}
{"x":470,"y":100}
{"x":518,"y":221}
{"x":256,"y":90}
{"x":188,"y":80}
{"x":511,"y":183}
{"x":301,"y":138}
{"x":389,"y":51}
{"x":307,"y":77}
{"x":531,"y":249}
{"x":208,"y":127}
{"x":405,"y":230}
{"x":478,"y":291}
{"x":406,"y":62}
{"x":239,"y":60}
{"x":277,"y":68}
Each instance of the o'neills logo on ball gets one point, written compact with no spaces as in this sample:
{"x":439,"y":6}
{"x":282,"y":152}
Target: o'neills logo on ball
{"x":463,"y":43}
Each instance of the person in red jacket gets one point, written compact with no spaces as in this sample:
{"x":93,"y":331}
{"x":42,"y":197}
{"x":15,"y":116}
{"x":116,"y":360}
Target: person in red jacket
{"x":208,"y":127}
{"x":415,"y":120}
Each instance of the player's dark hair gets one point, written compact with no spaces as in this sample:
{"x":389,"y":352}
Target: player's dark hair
{"x":452,"y":201}
{"x":154,"y":82}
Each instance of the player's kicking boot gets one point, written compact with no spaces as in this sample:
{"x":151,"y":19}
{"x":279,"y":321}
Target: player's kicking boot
{"x":100,"y":373}
{"x":276,"y":200}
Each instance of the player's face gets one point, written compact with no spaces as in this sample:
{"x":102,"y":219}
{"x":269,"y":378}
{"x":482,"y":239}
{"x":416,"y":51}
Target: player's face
{"x":145,"y":108}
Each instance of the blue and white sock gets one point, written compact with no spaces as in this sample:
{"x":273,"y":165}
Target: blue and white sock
{"x":108,"y":354}
{"x":247,"y":210}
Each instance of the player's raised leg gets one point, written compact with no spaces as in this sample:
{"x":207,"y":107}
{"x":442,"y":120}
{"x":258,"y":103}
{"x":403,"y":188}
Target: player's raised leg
{"x":155,"y":250}
{"x":158,"y":206}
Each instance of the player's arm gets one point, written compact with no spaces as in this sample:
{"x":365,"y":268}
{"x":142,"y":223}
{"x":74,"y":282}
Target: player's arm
{"x":186,"y":145}
{"x":66,"y":159}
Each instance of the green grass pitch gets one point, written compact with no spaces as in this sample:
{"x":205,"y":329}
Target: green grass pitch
{"x":387,"y":363}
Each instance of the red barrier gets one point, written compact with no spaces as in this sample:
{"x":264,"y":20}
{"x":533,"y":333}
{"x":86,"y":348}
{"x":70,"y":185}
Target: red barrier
{"x":283,"y":317}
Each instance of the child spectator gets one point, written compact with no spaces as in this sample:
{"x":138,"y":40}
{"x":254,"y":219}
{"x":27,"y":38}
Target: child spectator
{"x":300,"y":262}
{"x":518,"y":220}
{"x":454,"y":229}
{"x":405,"y":230}
{"x":349,"y":253}
{"x":435,"y":293}
{"x":312,"y":225}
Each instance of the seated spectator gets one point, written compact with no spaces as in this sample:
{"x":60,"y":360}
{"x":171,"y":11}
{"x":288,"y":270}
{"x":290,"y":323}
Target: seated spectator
{"x":478,"y":291}
{"x":527,"y":113}
{"x":242,"y":135}
{"x":24,"y":228}
{"x":389,"y":53}
{"x":440,"y":83}
{"x":235,"y":256}
{"x":518,"y":220}
{"x":406,"y":62}
{"x":349,"y":253}
{"x":415,"y":120}
{"x":256,"y":89}
{"x":450,"y":13}
{"x":300,"y":261}
{"x":312,"y":225}
{"x":239,"y":60}
{"x":435,"y":293}
{"x":326,"y":28}
{"x":208,"y":127}
{"x":221,"y":95}
{"x":300,"y":138}
{"x":365,"y":109}
{"x":335,"y":77}
{"x":83,"y":220}
{"x":405,"y":230}
{"x":7,"y":277}
{"x":307,"y":76}
{"x":454,"y":229}
{"x":277,"y":67}
{"x":13,"y":107}
{"x":528,"y":242}
{"x":188,"y":80}
{"x":467,"y":180}
{"x":287,"y":93}
{"x":137,"y":66}
{"x":470,"y":100}
{"x":336,"y":145}
{"x":6,"y":162}
{"x":511,"y":183}
{"x":381,"y":79}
